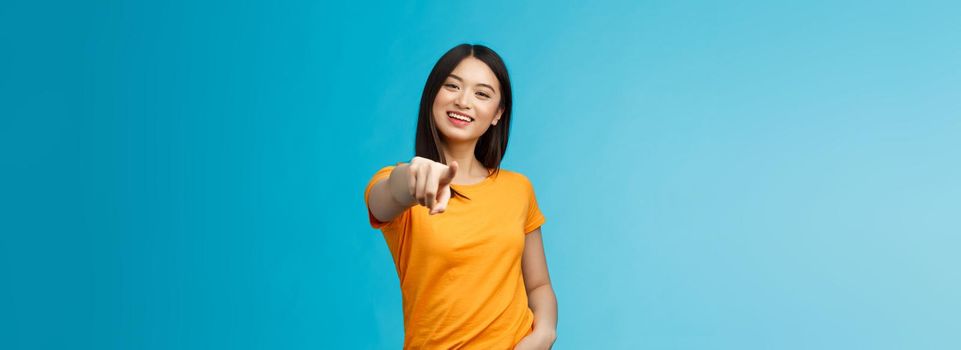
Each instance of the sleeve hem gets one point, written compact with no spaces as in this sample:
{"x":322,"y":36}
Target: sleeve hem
{"x":534,"y":225}
{"x":381,"y":175}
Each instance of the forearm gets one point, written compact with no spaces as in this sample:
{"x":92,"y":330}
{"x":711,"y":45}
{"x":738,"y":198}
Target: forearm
{"x":543,"y":303}
{"x":399,"y":188}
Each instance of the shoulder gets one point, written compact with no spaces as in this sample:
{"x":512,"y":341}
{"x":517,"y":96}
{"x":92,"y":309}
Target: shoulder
{"x":381,"y":174}
{"x":385,"y":170}
{"x":514,"y":177}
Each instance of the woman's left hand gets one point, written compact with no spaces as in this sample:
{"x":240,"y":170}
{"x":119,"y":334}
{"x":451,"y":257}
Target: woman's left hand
{"x":536,"y":341}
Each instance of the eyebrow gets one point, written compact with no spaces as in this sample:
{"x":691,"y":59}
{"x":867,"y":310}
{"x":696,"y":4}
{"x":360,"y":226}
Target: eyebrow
{"x":481,"y":84}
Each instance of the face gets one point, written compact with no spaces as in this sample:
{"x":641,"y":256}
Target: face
{"x":468,"y":102}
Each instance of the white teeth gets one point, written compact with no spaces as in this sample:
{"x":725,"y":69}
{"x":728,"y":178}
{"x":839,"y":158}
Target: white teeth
{"x":459,"y":117}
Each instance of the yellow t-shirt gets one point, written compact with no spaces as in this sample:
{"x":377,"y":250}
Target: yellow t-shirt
{"x":460,"y":271}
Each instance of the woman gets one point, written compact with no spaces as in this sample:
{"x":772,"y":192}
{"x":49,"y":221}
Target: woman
{"x":464,"y":233}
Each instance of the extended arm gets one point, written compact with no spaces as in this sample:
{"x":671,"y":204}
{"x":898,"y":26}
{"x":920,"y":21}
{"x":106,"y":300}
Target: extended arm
{"x":422,"y":181}
{"x":390,"y":197}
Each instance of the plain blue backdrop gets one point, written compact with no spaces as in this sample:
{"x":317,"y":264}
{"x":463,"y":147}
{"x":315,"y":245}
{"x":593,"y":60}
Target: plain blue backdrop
{"x":748,"y":175}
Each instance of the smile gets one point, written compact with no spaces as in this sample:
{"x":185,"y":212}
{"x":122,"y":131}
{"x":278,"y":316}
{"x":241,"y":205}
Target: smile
{"x":460,"y":116}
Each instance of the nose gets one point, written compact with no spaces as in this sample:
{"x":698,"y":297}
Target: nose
{"x":461,"y":100}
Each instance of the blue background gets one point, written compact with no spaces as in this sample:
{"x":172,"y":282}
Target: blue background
{"x":750,"y":175}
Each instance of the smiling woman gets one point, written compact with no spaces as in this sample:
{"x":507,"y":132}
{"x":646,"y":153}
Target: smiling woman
{"x":465,"y":234}
{"x":482,"y":90}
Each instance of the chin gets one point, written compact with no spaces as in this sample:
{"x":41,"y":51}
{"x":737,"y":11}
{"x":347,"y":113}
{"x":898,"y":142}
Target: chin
{"x":457,"y":135}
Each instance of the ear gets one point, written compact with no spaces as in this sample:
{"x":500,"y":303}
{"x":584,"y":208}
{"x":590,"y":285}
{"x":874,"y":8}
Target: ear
{"x":498,"y":115}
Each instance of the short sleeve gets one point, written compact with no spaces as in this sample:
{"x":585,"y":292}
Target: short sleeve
{"x":534,"y":216}
{"x":381,"y":174}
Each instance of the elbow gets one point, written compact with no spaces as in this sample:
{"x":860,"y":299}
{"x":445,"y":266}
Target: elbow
{"x":534,"y":287}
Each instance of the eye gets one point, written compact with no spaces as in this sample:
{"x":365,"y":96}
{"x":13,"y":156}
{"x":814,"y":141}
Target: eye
{"x":483,"y":94}
{"x":450,"y":85}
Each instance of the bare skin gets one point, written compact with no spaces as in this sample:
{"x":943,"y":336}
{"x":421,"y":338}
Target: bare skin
{"x":472,"y":92}
{"x":540,"y":295}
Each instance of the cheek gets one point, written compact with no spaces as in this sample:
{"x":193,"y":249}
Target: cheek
{"x":443,"y":98}
{"x":438,"y":107}
{"x":486,"y":112}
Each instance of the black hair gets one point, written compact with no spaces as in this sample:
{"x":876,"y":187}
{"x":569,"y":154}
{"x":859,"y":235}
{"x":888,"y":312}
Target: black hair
{"x":492,"y":145}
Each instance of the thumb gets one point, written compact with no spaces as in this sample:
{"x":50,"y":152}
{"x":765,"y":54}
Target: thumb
{"x":451,"y":171}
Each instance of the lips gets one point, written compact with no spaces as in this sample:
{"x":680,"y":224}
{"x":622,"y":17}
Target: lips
{"x":460,"y":116}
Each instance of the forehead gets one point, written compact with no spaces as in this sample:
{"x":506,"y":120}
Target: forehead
{"x":475,"y":72}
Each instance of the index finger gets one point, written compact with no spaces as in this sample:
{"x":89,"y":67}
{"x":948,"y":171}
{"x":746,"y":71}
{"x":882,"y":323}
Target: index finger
{"x":449,"y":175}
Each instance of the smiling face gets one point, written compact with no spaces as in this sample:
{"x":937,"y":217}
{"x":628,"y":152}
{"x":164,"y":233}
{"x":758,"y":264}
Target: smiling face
{"x":468,"y":102}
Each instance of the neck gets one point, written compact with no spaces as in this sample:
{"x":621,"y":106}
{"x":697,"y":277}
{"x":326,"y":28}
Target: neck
{"x":463,"y":153}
